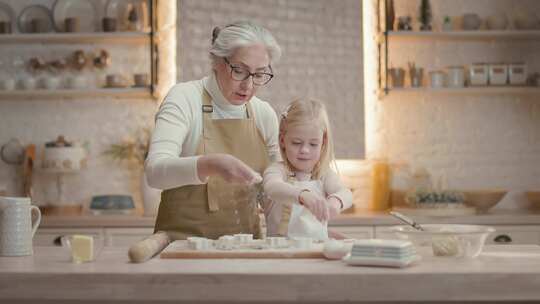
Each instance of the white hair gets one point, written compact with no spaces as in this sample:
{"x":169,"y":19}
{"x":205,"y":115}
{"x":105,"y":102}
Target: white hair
{"x":239,"y":34}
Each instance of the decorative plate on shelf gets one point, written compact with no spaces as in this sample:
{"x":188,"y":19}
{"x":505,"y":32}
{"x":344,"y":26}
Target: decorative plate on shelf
{"x":35,"y":19}
{"x":7,"y":15}
{"x":130,"y":15}
{"x":85,"y":11}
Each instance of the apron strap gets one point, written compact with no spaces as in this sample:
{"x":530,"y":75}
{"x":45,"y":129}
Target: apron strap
{"x":207,"y":110}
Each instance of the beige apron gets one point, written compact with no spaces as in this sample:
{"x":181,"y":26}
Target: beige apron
{"x":218,"y":207}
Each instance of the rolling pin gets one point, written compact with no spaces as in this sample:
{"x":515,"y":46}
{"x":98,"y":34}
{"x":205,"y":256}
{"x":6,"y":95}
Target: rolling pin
{"x":149,"y":247}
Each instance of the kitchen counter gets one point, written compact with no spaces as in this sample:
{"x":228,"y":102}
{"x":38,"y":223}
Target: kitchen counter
{"x":502,"y":273}
{"x":494,"y":217}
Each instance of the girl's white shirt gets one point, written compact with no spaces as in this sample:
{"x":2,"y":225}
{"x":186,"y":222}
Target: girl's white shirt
{"x":171,"y":160}
{"x":281,"y":191}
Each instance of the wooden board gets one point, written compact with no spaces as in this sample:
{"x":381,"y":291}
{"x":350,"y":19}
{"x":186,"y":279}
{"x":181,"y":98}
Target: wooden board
{"x":180,"y":250}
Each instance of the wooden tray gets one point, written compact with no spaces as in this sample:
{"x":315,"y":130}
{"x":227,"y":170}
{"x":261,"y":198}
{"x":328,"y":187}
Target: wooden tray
{"x":180,"y":250}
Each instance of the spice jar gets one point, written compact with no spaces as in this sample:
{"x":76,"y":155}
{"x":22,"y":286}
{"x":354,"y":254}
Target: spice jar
{"x":380,"y":185}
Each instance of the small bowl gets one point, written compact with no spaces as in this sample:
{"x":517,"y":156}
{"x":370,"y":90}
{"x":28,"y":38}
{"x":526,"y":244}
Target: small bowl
{"x":534,"y":198}
{"x":447,"y":240}
{"x":483,"y":200}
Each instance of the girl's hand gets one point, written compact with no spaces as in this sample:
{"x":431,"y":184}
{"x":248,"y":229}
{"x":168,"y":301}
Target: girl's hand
{"x":314,"y":203}
{"x":230,"y":168}
{"x":334,"y":206}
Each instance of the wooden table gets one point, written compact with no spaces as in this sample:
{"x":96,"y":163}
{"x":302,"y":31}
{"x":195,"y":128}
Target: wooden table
{"x":503,"y":273}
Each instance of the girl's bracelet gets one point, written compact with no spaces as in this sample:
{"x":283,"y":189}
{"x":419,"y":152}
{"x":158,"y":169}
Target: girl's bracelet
{"x":300,"y":196}
{"x":338,"y":199}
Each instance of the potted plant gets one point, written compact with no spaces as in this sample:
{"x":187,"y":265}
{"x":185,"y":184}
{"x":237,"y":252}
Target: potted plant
{"x":132,"y":151}
{"x":425,"y":16}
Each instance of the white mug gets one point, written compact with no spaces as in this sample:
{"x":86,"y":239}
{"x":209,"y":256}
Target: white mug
{"x":16,"y":226}
{"x":438,"y":79}
{"x":456,"y":76}
{"x":7,"y":84}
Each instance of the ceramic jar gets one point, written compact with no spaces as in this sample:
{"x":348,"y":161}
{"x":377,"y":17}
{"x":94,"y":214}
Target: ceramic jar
{"x":438,"y":79}
{"x":456,"y":76}
{"x":517,"y":73}
{"x":497,"y":22}
{"x":471,"y":21}
{"x":478,"y":74}
{"x":498,"y":74}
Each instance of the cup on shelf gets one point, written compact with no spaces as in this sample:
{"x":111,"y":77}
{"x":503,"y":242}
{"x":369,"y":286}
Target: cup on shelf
{"x":517,"y":73}
{"x":114,"y":81}
{"x":108,"y":24}
{"x":5,"y":27}
{"x":50,"y":82}
{"x":456,"y":76}
{"x":397,"y":77}
{"x":498,"y":74}
{"x":7,"y":84}
{"x":28,"y":83}
{"x":497,"y":22}
{"x":471,"y":21}
{"x":76,"y":82}
{"x":140,"y":80}
{"x":478,"y":74}
{"x":438,"y":79}
{"x":416,"y":76}
{"x":71,"y":25}
{"x":39,"y":25}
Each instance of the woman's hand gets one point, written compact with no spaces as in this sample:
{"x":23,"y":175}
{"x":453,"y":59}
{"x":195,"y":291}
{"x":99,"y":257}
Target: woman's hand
{"x":230,"y":168}
{"x":314,"y":203}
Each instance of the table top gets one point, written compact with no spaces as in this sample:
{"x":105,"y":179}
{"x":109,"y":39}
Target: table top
{"x":493,"y":217}
{"x":500,"y":273}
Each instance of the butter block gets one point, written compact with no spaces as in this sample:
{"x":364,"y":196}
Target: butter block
{"x":82,"y":248}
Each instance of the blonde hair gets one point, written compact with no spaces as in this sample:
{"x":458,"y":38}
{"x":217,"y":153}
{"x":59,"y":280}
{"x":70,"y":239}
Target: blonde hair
{"x":308,"y":110}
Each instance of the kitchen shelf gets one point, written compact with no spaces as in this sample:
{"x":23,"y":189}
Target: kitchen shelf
{"x":471,"y":90}
{"x":75,"y":38}
{"x":466,"y":35}
{"x":107,"y":92}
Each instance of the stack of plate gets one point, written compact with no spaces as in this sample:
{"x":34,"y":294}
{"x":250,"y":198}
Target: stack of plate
{"x":375,"y":252}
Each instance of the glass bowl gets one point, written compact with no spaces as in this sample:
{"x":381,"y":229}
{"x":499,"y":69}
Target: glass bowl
{"x":447,"y":240}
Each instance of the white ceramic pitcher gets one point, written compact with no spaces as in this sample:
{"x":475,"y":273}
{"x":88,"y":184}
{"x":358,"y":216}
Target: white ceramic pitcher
{"x":16,"y":226}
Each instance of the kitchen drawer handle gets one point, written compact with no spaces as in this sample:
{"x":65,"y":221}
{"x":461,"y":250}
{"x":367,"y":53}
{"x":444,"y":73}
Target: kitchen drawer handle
{"x":58,"y":240}
{"x":503,"y":238}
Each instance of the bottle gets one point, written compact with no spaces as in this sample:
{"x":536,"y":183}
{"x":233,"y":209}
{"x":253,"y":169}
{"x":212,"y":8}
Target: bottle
{"x":380,"y":185}
{"x":390,"y":15}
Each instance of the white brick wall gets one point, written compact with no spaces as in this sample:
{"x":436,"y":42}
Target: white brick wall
{"x":322,"y":54}
{"x":475,"y":141}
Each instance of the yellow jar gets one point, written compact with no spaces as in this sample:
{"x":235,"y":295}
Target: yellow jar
{"x":380,"y":186}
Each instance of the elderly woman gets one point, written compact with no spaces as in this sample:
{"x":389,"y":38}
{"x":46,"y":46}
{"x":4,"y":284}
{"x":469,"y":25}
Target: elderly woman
{"x":213,"y":138}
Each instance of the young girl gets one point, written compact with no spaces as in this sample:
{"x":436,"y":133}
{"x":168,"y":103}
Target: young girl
{"x":304,"y":192}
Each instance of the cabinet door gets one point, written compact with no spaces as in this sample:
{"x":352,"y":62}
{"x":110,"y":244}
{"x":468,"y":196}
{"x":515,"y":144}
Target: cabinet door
{"x":514,"y":234}
{"x":51,"y":236}
{"x":125,"y":237}
{"x":354,"y":232}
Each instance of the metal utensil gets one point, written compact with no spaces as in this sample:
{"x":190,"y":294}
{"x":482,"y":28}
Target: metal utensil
{"x":407,"y":220}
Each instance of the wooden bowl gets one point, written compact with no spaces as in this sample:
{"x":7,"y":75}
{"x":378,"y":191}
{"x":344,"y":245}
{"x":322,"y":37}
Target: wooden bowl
{"x":483,"y":200}
{"x":534,"y":198}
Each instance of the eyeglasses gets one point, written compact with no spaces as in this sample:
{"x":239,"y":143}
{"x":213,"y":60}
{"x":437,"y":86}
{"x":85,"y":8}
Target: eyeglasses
{"x":241,"y":74}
